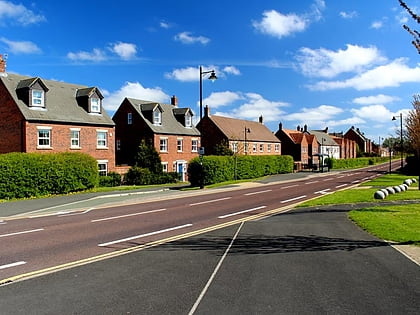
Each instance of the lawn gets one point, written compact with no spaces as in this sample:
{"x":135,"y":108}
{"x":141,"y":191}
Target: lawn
{"x":397,"y":223}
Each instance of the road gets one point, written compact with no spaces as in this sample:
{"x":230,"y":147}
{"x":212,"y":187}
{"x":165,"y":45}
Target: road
{"x":290,"y":263}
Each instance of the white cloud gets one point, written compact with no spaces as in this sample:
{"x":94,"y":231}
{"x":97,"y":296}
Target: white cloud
{"x":373,"y":112}
{"x":256,"y":105}
{"x":348,"y":15}
{"x":191,"y":74}
{"x":377,"y":24}
{"x":346,"y":122}
{"x":188,"y":38}
{"x":164,"y":25}
{"x":390,"y":75}
{"x":375,"y":99}
{"x":231,"y":70}
{"x":21,"y":47}
{"x":133,"y":90}
{"x":279,"y":25}
{"x":96,"y":55}
{"x":126,"y":51}
{"x":19,"y":13}
{"x":316,"y":117}
{"x":327,"y":63}
{"x":217,"y":99}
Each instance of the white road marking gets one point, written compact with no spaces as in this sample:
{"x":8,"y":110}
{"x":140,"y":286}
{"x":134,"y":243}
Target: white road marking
{"x":341,"y":176}
{"x":213,"y":275}
{"x":127,"y":215}
{"x":18,"y":263}
{"x":293,"y":199}
{"x":144,"y":235}
{"x":355,"y":181}
{"x":209,"y":201}
{"x":22,"y":232}
{"x":315,"y":181}
{"x":240,"y":212}
{"x":339,"y":186}
{"x":327,"y":179}
{"x":289,"y":186}
{"x":322,"y":192}
{"x":257,"y":192}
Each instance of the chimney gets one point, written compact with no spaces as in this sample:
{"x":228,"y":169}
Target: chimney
{"x":174,"y":101}
{"x":298,"y":128}
{"x":2,"y":65}
{"x":280,"y":126}
{"x":206,"y":111}
{"x":261,"y":120}
{"x":326,"y":130}
{"x":305,"y":128}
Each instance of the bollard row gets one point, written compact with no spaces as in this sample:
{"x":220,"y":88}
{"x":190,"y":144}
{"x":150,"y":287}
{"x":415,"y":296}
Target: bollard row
{"x":384,"y":192}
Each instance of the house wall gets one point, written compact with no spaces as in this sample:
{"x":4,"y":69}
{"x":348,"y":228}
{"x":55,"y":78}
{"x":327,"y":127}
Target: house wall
{"x":11,"y":127}
{"x":210,"y":135}
{"x":60,"y":141}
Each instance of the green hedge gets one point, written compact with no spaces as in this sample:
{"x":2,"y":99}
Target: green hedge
{"x":217,"y":169}
{"x":143,"y":176}
{"x":356,"y":162}
{"x":24,"y":175}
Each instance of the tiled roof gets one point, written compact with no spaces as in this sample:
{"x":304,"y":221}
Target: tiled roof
{"x":61,"y":103}
{"x":170,"y":125}
{"x":328,"y":140}
{"x":234,"y":129}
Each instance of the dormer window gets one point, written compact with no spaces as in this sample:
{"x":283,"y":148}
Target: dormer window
{"x":95,"y":105}
{"x":157,"y":117}
{"x":37,"y":98}
{"x":188,"y":120}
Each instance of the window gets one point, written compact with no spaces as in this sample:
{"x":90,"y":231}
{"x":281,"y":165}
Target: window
{"x":74,"y":138}
{"x":38,"y":98}
{"x":95,"y":105}
{"x":261,"y":147}
{"x":163,"y":145}
{"x":44,"y":137}
{"x":165,"y":167}
{"x":269,"y":147}
{"x":101,"y":139}
{"x":118,"y":145}
{"x":129,"y":118}
{"x":235,"y":147}
{"x":254,"y":147}
{"x":194,"y":145}
{"x":277,"y":147}
{"x":179,"y":144}
{"x":157,"y":117}
{"x":103,"y":168}
{"x":246,"y":147}
{"x":188,"y":120}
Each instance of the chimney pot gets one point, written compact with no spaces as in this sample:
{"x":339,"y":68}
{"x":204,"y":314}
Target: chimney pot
{"x":261,"y":119}
{"x":2,"y":64}
{"x":206,"y":111}
{"x":174,"y":101}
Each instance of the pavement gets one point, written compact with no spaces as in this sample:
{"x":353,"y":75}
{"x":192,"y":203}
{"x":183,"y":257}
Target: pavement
{"x":88,"y":201}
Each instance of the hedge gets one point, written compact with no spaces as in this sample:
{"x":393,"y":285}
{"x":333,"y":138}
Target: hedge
{"x":217,"y":169}
{"x":143,"y":176}
{"x":24,"y":175}
{"x":356,"y":162}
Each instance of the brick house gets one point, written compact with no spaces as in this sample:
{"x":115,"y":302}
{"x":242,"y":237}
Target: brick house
{"x":167,"y":127}
{"x":242,"y":136}
{"x":47,"y":116}
{"x":364,"y":144}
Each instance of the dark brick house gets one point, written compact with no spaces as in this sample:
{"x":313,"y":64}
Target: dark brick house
{"x":167,"y":127}
{"x":39,"y":115}
{"x":242,"y":136}
{"x":364,"y":144}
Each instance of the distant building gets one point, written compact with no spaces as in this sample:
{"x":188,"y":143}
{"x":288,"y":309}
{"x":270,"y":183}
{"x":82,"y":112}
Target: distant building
{"x":242,"y":136}
{"x":363,"y":143}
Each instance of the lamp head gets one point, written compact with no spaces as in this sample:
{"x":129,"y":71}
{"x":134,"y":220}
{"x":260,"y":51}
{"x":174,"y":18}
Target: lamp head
{"x":393,"y":118}
{"x":212,"y":76}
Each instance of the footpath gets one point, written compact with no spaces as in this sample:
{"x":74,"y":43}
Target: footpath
{"x":89,"y":201}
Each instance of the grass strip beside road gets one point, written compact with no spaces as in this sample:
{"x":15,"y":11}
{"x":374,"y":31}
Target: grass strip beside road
{"x":397,"y":223}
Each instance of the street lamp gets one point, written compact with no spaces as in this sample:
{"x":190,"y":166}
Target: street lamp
{"x":401,"y":138}
{"x":212,"y":77}
{"x":246,"y":130}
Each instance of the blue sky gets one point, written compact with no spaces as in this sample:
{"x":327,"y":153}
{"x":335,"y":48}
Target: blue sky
{"x":330,"y":63}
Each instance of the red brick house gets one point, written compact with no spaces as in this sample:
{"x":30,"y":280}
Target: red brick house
{"x":242,"y":136}
{"x":46,"y":116}
{"x":364,"y":144}
{"x":167,"y":127}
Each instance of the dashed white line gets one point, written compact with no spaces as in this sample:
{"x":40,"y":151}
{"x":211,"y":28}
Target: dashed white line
{"x":241,"y":212}
{"x":339,"y":186}
{"x":315,"y":181}
{"x":127,"y":215}
{"x":257,"y":192}
{"x":209,"y":201}
{"x":21,"y":232}
{"x":355,"y":181}
{"x":327,"y":179}
{"x":145,"y":235}
{"x":293,"y":199}
{"x":15,"y":264}
{"x":286,"y":187}
{"x":322,"y":192}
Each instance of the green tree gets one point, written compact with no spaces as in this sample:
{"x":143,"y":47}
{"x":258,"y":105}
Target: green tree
{"x":222,"y":149}
{"x":147,"y":157}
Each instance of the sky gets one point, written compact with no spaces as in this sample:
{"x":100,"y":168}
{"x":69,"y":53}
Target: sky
{"x":320,"y":63}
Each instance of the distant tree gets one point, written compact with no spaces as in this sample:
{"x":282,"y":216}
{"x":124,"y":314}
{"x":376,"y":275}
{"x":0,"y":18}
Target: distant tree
{"x":147,"y":157}
{"x":412,"y":124}
{"x":222,"y":149}
{"x":413,"y":32}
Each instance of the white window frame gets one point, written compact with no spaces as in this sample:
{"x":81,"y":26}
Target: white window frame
{"x":103,"y":172}
{"x":38,"y":101}
{"x":157,"y":117}
{"x":165,"y":167}
{"x":179,"y":144}
{"x":129,"y":118}
{"x":254,"y":147}
{"x":261,"y":147}
{"x":277,"y":147}
{"x":75,"y":140}
{"x":47,"y":138}
{"x":101,"y":143}
{"x":163,"y":144}
{"x":118,"y":145}
{"x":95,"y":105}
{"x":234,"y":147}
{"x":188,"y":120}
{"x":269,"y":147}
{"x":194,"y":145}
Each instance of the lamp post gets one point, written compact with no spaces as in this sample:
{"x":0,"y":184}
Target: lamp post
{"x":212,"y":77}
{"x":246,"y":130}
{"x":401,"y":139}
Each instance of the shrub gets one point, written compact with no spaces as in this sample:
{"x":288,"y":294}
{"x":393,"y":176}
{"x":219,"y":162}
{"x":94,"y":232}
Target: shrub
{"x":24,"y":175}
{"x":356,"y":162}
{"x":138,"y":176}
{"x":111,"y":180}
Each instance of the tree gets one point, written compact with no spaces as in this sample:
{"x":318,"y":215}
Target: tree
{"x":147,"y":157}
{"x":412,"y":124}
{"x":413,"y":32}
{"x":222,"y":149}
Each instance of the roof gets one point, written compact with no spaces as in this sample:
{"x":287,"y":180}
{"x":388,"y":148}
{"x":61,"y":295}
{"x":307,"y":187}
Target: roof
{"x":357,"y":132}
{"x":170,"y":125}
{"x":234,"y":129}
{"x":61,"y":102}
{"x":328,"y":140}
